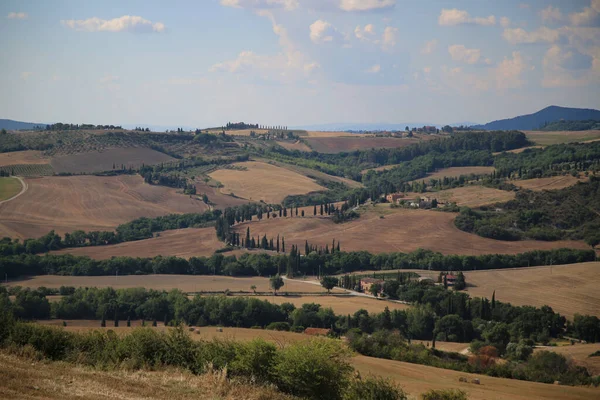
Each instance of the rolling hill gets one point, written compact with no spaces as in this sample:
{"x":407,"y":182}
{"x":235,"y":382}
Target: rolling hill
{"x":11,"y":125}
{"x":536,"y":120}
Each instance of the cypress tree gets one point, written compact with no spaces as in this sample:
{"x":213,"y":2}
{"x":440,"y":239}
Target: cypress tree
{"x":306,"y":249}
{"x":494,"y":300}
{"x":321,"y":211}
{"x":103,"y":322}
{"x":315,"y":210}
{"x":128,"y":322}
{"x":278,"y":243}
{"x":247,"y":236}
{"x":154,"y":323}
{"x":116,"y":319}
{"x":302,"y":213}
{"x":283,"y":244}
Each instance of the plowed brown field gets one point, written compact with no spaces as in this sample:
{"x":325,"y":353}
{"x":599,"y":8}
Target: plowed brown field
{"x":66,"y":204}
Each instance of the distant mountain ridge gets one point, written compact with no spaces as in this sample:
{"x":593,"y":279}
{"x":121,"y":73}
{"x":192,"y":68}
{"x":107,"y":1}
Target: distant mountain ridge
{"x":536,"y":120}
{"x":12,"y":125}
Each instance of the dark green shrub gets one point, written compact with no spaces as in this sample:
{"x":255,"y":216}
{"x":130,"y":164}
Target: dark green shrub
{"x":447,"y":394}
{"x":278,"y":326}
{"x":373,"y":388}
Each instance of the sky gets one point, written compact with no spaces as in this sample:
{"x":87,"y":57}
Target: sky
{"x":295,"y":62}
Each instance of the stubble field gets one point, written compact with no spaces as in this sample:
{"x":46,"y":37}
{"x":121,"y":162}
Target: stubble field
{"x":342,"y":305}
{"x":262,"y":181}
{"x":550,"y":183}
{"x":66,"y":204}
{"x":473,"y":196}
{"x":579,"y":354}
{"x":544,"y":138}
{"x":382,"y":230}
{"x":23,"y":157}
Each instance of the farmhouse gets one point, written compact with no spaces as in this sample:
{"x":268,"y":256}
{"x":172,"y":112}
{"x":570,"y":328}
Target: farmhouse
{"x":450,"y":279}
{"x":394,"y":197}
{"x":366,"y":283}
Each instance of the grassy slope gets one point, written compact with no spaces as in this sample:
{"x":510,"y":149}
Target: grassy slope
{"x":9,"y":187}
{"x":23,"y":378}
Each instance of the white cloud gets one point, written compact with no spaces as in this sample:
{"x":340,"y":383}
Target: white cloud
{"x":590,"y":16}
{"x":261,"y":4}
{"x":505,"y":22}
{"x":365,"y":5}
{"x":364,"y":33}
{"x":126,"y":23}
{"x":16,"y":15}
{"x":455,"y":17}
{"x":288,"y":65}
{"x":551,"y":14}
{"x":321,"y":32}
{"x":459,"y":52}
{"x":541,"y":35}
{"x":509,"y":71}
{"x":429,"y":47}
{"x":26,"y":75}
{"x":375,"y":69}
{"x":106,"y":79}
{"x":389,"y":38}
{"x":569,"y":68}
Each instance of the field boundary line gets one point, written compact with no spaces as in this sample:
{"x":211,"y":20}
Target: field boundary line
{"x":24,"y":187}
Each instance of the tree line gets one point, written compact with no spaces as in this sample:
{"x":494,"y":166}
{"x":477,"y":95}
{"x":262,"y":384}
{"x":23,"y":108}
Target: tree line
{"x":263,"y":264}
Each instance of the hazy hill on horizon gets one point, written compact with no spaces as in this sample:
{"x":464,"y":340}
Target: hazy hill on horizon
{"x":535,"y":121}
{"x":13,"y":125}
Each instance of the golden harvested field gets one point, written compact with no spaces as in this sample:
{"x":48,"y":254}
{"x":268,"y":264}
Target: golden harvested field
{"x":342,"y":304}
{"x":185,"y":283}
{"x":314,"y":174}
{"x":262,"y":181}
{"x":579,"y":353}
{"x":417,"y":379}
{"x":297,"y":145}
{"x":23,"y":378}
{"x":550,"y":183}
{"x":451,"y":347}
{"x":66,"y":204}
{"x":517,"y":151}
{"x":382,"y":229}
{"x":338,"y":144}
{"x":184,"y":243}
{"x":473,"y":196}
{"x":548,"y":138}
{"x":9,"y":187}
{"x":23,"y":157}
{"x":568,"y":289}
{"x":99,"y":161}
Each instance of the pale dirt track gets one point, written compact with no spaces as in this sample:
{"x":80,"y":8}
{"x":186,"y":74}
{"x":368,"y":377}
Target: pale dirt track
{"x":24,"y":188}
{"x":400,"y":230}
{"x":66,"y":204}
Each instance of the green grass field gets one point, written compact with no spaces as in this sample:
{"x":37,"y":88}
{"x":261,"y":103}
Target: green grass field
{"x":9,"y":187}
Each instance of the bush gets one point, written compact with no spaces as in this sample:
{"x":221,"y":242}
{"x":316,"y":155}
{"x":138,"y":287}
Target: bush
{"x":374,"y":388}
{"x":255,"y":360}
{"x":278,"y":326}
{"x":317,"y":369}
{"x":448,"y":394}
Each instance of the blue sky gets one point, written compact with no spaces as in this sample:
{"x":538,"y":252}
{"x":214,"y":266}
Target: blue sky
{"x":295,"y":62}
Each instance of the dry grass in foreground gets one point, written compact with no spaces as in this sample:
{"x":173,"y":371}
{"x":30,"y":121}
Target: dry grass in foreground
{"x":26,"y":379}
{"x":262,"y":181}
{"x":185,"y":283}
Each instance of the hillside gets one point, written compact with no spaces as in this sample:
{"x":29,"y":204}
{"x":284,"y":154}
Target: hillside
{"x":11,"y":125}
{"x":536,"y":120}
